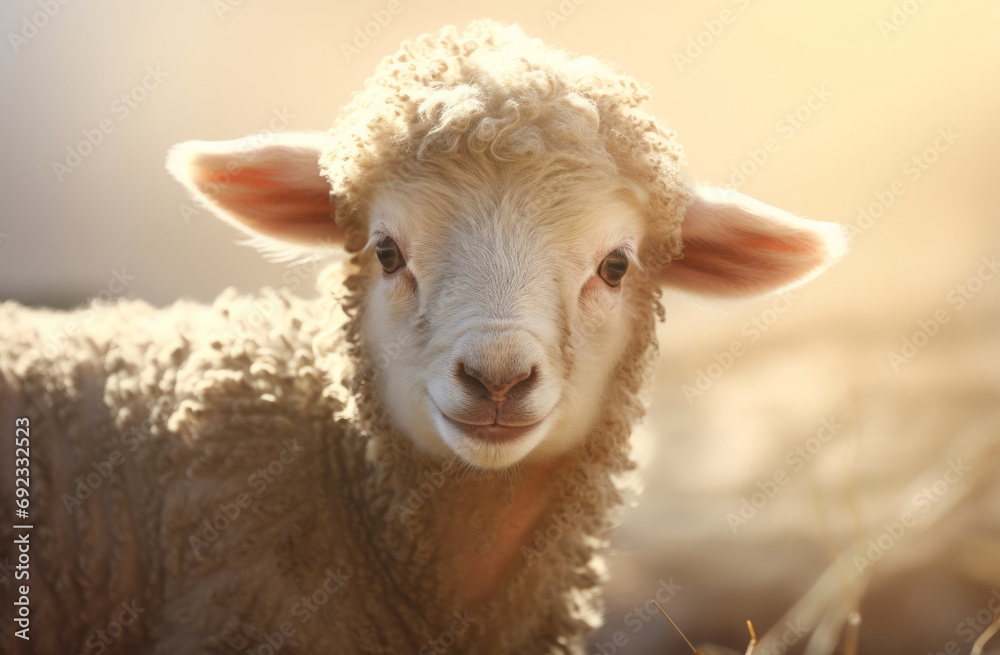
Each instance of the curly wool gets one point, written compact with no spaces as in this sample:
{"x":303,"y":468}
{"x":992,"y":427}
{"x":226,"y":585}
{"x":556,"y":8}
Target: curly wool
{"x":492,"y":92}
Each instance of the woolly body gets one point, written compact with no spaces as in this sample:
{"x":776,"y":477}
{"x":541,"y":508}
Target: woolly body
{"x":219,"y":401}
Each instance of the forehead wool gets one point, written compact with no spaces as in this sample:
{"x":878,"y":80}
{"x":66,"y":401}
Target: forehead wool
{"x":492,"y":95}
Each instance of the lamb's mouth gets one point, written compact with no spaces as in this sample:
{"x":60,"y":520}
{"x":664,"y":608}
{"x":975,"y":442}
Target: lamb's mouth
{"x":494,"y":433}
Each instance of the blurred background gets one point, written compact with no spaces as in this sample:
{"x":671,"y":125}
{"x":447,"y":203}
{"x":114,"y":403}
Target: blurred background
{"x":859,"y":415}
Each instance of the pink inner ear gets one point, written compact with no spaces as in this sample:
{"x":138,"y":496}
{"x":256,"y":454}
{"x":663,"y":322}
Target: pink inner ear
{"x":751,"y":241}
{"x":735,"y":246}
{"x":279,"y":198}
{"x":746,"y":265}
{"x":257,"y":195}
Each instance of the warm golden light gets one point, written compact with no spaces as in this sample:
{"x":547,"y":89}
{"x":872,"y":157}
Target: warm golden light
{"x":825,"y":462}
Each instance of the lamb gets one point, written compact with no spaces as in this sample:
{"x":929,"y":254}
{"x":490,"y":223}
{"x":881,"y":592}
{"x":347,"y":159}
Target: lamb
{"x":430,"y":455}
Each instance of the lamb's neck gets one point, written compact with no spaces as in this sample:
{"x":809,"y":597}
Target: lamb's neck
{"x":487,"y":530}
{"x":477,"y":534}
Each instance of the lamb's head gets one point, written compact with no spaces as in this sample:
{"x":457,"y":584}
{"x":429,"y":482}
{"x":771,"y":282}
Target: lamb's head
{"x":513,"y":211}
{"x":505,"y":288}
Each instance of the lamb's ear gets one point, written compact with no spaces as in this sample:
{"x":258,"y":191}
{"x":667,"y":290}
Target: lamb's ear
{"x":266,"y":185}
{"x":735,"y":246}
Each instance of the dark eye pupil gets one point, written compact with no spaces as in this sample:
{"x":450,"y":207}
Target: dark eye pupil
{"x":613,"y":269}
{"x":388,"y":254}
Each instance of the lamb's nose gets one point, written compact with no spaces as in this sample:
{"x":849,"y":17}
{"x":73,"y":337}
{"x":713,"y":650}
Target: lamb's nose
{"x":496,"y":386}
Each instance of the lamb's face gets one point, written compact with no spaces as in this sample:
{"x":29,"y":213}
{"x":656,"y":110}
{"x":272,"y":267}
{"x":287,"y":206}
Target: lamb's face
{"x":498,"y":308}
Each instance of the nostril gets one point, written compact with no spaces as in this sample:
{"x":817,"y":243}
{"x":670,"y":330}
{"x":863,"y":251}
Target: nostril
{"x":471,"y":377}
{"x":495,"y":386}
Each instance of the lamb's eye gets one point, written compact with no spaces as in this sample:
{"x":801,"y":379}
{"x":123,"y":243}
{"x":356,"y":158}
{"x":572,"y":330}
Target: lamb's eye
{"x":613,"y":268}
{"x":388,"y":254}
